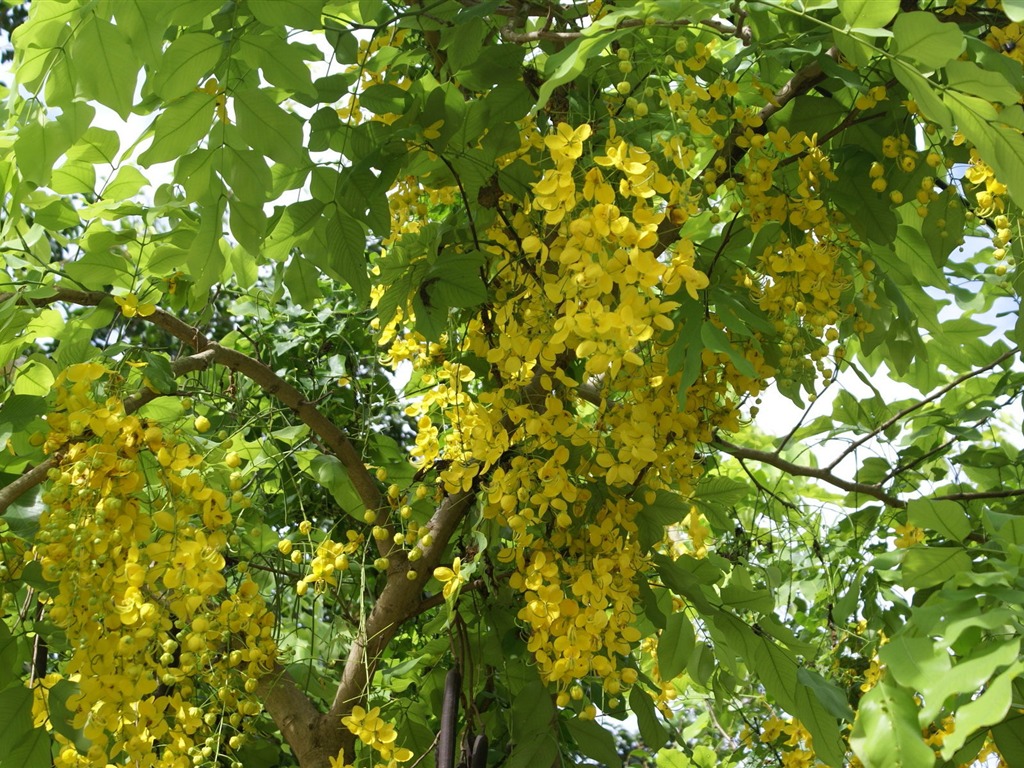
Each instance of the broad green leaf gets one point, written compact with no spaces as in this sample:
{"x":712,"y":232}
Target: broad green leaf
{"x":886,"y":733}
{"x":112,"y":69}
{"x":868,"y":14}
{"x":332,"y":475}
{"x":32,"y":751}
{"x":717,"y":340}
{"x":778,"y":671}
{"x":303,"y":281}
{"x":913,"y":661}
{"x":185,"y":63}
{"x":923,"y":92}
{"x":593,"y":741}
{"x":672,"y":758}
{"x":567,"y":64}
{"x":283,"y":63}
{"x":247,"y":173}
{"x":999,"y":144}
{"x":384,"y":99}
{"x":830,"y":696}
{"x":1009,"y":737}
{"x":920,"y":36}
{"x":15,"y":718}
{"x":37,"y":148}
{"x":205,"y":259}
{"x":455,"y":280}
{"x":178,"y":129}
{"x":968,"y":77}
{"x":1014,"y":9}
{"x":125,"y":184}
{"x":269,"y":129}
{"x":298,"y":14}
{"x":652,"y":731}
{"x":346,"y":241}
{"x":675,"y":645}
{"x":945,"y":517}
{"x":667,"y":508}
{"x":987,"y":709}
{"x":925,"y":567}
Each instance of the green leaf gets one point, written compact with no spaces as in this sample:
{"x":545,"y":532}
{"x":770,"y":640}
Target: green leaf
{"x":717,"y":340}
{"x":925,"y":567}
{"x":999,"y":144}
{"x":385,"y":99}
{"x":186,"y":62}
{"x":346,"y":241}
{"x":283,"y":64}
{"x":206,"y":259}
{"x":567,"y":64}
{"x":984,"y":710}
{"x":329,"y":472}
{"x":1009,"y":734}
{"x":886,"y":733}
{"x":111,"y":72}
{"x":778,"y":671}
{"x":455,"y":280}
{"x":666,"y":509}
{"x":830,"y":696}
{"x":267,"y":128}
{"x":15,"y":719}
{"x":923,"y":92}
{"x":675,"y":645}
{"x":652,"y":731}
{"x":1014,"y":9}
{"x":929,"y":42}
{"x":945,"y":517}
{"x":968,"y":77}
{"x":298,"y":14}
{"x":868,"y":14}
{"x":914,"y":662}
{"x":178,"y":129}
{"x":32,"y":751}
{"x":593,"y":741}
{"x":38,"y":147}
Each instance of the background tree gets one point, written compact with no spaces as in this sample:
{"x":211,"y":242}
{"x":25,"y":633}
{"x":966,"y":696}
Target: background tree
{"x":398,"y":386}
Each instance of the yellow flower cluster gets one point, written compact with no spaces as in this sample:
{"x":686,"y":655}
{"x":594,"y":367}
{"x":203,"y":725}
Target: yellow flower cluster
{"x":166,"y":654}
{"x":585,"y":400}
{"x":377,"y":734}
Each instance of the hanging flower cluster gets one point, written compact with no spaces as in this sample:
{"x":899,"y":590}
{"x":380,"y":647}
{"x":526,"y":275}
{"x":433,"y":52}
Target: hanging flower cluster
{"x":165,"y":652}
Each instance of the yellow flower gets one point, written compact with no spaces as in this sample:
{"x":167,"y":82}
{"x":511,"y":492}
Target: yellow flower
{"x":566,"y":143}
{"x":130,"y":306}
{"x":452,"y":578}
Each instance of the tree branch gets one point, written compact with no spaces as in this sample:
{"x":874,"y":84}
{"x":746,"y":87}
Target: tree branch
{"x":260,"y":373}
{"x":825,"y":475}
{"x":37,"y":474}
{"x":399,"y":601}
{"x":902,"y":414}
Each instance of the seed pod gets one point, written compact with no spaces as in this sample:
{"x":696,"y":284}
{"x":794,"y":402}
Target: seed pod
{"x":449,"y":719}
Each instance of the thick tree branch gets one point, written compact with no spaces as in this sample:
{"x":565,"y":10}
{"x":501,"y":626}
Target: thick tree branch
{"x":399,"y":601}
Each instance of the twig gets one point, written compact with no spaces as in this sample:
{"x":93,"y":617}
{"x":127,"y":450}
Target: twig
{"x":920,"y":404}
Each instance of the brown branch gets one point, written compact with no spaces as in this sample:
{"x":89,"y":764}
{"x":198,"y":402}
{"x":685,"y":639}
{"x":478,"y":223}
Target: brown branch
{"x":903,"y":413}
{"x":800,"y":83}
{"x":37,"y":474}
{"x":399,"y":601}
{"x":800,"y":470}
{"x":260,"y":373}
{"x":509,"y":34}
